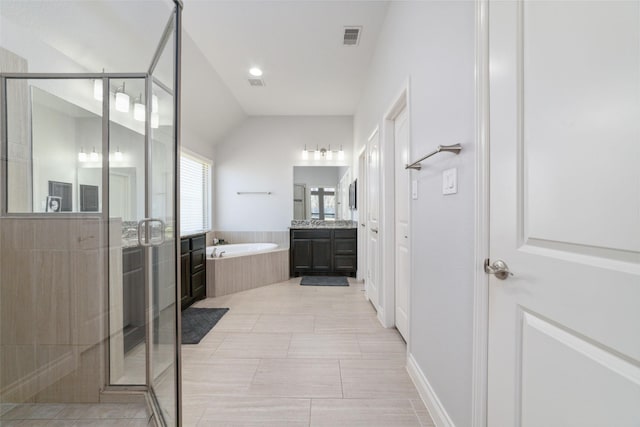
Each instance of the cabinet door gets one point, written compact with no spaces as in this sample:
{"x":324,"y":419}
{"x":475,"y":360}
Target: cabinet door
{"x":185,"y":280}
{"x":301,"y":250}
{"x":321,"y":255}
{"x":198,"y":285}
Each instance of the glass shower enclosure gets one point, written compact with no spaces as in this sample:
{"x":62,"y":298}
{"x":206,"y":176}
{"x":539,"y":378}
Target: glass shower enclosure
{"x":89,"y":221}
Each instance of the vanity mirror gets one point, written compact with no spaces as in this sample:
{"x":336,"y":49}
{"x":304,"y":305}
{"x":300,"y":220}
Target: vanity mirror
{"x":321,"y":192}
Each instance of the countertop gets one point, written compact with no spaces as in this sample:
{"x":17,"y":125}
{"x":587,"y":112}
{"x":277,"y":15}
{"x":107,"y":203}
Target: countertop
{"x":319,"y":224}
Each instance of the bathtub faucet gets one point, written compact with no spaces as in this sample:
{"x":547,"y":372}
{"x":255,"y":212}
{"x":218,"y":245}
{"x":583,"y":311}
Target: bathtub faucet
{"x":220,"y":254}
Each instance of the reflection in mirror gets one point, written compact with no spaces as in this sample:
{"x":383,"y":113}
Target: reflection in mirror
{"x":321,"y":192}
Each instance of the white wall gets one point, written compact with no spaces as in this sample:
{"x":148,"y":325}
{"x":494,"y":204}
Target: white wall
{"x":259,"y":156}
{"x":432,"y":45}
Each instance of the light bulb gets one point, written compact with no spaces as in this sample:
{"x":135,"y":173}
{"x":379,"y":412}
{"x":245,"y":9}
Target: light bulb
{"x":255,"y":72}
{"x":305,"y":154}
{"x":97,"y":90}
{"x":122,"y":102}
{"x":138,"y":111}
{"x":154,"y":103}
{"x":316,"y":155}
{"x":329,"y":154}
{"x":82,"y":156}
{"x":94,"y":157}
{"x":118,"y":155}
{"x":340,"y":154}
{"x":155,"y":120}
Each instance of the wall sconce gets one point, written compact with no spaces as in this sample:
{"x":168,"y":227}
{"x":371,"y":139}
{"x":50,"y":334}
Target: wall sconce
{"x":122,"y":100}
{"x":322,"y":153}
{"x":94,"y":157}
{"x":82,"y":156}
{"x":138,"y":109}
{"x":117,"y":156}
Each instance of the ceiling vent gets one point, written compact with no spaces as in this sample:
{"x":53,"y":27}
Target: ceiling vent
{"x":256,"y":81}
{"x":351,"y":36}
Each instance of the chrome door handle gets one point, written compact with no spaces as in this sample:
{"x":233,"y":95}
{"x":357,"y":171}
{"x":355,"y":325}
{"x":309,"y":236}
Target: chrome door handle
{"x":145,"y":222}
{"x":499,"y":268}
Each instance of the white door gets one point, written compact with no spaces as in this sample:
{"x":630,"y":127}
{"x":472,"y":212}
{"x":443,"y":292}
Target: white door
{"x":564,"y":330}
{"x":361,"y":209}
{"x":373,"y":208}
{"x":402,"y":254}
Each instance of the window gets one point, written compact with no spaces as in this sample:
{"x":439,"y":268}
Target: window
{"x":323,"y":203}
{"x":195,"y":194}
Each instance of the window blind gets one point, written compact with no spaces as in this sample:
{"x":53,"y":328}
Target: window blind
{"x":195,"y":195}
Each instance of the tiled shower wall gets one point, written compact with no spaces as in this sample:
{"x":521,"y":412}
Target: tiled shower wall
{"x":53,"y":311}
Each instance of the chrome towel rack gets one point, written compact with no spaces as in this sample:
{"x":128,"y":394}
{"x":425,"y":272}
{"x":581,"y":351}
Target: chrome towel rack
{"x":455,"y":148}
{"x":240,"y":193}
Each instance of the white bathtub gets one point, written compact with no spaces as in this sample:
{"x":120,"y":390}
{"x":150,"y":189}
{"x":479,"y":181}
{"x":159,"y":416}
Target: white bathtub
{"x":240,"y":249}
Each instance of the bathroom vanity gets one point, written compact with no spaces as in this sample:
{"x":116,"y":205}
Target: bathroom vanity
{"x":323,"y":248}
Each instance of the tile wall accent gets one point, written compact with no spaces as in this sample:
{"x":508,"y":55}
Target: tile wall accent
{"x":53,"y":313}
{"x":281,"y":238}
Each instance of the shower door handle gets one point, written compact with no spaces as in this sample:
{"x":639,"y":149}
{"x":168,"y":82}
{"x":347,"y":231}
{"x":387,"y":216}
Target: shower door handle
{"x":143,"y":224}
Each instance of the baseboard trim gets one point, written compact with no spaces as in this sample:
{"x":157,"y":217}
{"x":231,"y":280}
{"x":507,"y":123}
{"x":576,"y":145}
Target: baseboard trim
{"x":428,"y":395}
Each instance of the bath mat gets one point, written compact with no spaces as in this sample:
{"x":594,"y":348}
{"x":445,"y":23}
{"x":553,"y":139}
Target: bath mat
{"x":197,"y":322}
{"x":324,"y":281}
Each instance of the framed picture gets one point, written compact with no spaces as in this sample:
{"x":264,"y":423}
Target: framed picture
{"x":54,"y":204}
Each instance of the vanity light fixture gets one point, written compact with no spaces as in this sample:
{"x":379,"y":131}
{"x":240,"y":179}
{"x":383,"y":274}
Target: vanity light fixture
{"x":122,"y":100}
{"x":82,"y":156}
{"x":94,"y":157}
{"x":255,"y":72}
{"x":323,"y":153}
{"x":138,"y":109}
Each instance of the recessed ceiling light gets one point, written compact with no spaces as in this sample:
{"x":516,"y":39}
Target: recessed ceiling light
{"x":255,"y":71}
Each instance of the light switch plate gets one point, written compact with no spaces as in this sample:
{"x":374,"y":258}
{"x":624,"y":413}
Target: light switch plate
{"x":414,"y":189}
{"x":450,"y":181}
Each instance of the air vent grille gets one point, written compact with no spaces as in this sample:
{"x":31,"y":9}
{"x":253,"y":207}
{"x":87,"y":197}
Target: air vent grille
{"x":256,"y":81}
{"x":351,"y":36}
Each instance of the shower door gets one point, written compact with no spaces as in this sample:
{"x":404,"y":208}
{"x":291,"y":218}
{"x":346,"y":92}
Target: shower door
{"x":163,"y":219}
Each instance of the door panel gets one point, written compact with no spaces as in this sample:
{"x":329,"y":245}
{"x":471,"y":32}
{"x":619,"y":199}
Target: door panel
{"x":322,"y":254}
{"x":565,"y":197}
{"x":373,"y":220}
{"x":402,"y":254}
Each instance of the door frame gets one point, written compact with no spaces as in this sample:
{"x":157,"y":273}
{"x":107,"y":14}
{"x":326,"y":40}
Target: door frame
{"x":361,"y":208}
{"x":480,"y":346}
{"x":387,"y":159}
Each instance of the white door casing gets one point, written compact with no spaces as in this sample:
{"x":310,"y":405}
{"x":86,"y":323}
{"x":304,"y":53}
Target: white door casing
{"x":564,"y":331}
{"x":401,"y":218}
{"x":361,"y":209}
{"x":373,"y":221}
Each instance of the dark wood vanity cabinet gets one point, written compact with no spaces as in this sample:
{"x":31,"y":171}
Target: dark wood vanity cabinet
{"x":323,"y":251}
{"x":133,"y":320}
{"x":192,"y":269}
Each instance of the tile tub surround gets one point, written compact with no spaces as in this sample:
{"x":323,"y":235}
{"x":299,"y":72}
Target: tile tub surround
{"x":240,"y":273}
{"x":281,"y":238}
{"x":316,"y":223}
{"x":299,"y":356}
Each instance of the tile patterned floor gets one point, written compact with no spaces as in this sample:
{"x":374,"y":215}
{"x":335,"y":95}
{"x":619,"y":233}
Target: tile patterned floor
{"x":75,"y":415}
{"x":299,"y":356}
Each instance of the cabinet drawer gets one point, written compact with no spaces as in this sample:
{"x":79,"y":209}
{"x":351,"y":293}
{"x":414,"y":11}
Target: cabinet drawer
{"x":197,"y":243}
{"x":198,"y":285}
{"x":197,"y":260}
{"x":184,"y":246}
{"x":345,"y":247}
{"x":344,"y":263}
{"x":348,"y":233}
{"x":311,"y":234}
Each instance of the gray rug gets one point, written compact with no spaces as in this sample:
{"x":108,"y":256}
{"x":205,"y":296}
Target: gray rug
{"x":324,"y":281}
{"x":197,"y":322}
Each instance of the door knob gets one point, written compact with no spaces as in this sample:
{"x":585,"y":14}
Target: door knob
{"x":499,"y":268}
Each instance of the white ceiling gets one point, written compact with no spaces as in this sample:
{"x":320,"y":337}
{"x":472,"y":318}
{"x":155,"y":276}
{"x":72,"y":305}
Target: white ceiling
{"x":298,"y":44}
